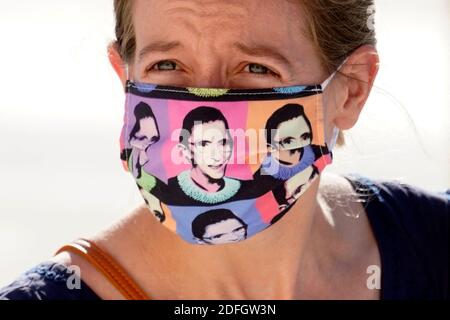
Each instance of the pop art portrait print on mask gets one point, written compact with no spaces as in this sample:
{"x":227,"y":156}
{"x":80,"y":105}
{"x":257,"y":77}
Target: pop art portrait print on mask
{"x":218,"y":166}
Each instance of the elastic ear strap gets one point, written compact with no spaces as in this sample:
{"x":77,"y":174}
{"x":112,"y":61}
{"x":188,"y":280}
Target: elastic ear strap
{"x":127,"y":72}
{"x":334,"y":137}
{"x":332,"y":143}
{"x":328,"y":80}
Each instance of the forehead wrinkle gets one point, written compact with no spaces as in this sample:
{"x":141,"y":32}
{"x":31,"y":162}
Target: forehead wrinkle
{"x":208,"y":8}
{"x":207,"y":30}
{"x":208,"y":13}
{"x":202,"y":24}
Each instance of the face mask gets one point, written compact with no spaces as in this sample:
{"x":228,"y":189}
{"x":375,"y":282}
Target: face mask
{"x":220,"y":165}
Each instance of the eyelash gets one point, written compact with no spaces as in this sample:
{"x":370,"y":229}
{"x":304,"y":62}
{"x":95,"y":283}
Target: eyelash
{"x":269,"y":71}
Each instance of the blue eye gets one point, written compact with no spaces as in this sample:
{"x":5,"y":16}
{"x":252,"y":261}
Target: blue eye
{"x":257,"y":68}
{"x":165,"y":65}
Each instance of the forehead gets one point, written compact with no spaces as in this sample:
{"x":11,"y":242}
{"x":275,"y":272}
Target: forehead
{"x":298,"y":125}
{"x":208,"y":16}
{"x":214,"y":25}
{"x":222,"y":226}
{"x":147,"y":123}
{"x":211,"y":129}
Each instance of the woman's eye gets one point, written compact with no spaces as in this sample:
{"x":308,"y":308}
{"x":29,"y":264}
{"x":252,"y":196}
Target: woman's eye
{"x":202,"y":144}
{"x":306,"y":136}
{"x":165,"y":65}
{"x":286,"y":141}
{"x":257,"y":68}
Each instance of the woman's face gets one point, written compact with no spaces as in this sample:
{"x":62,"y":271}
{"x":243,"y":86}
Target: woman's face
{"x":210,"y":147}
{"x":241,"y":44}
{"x":144,"y":138}
{"x":225,"y":44}
{"x":226,"y":231}
{"x":290,"y":140}
{"x":296,"y":185}
{"x":146,"y":135}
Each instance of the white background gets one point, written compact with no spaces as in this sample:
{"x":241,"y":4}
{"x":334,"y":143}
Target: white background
{"x":61,"y":115}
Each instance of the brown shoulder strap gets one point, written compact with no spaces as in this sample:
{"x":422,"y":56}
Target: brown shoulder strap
{"x":107,"y":266}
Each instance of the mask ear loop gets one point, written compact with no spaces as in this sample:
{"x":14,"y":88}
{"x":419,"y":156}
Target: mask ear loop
{"x":327,"y":81}
{"x":127,"y":115}
{"x":334,"y":136}
{"x":127,"y":72}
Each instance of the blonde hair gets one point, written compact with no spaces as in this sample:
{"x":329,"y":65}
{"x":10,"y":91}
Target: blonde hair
{"x":336,"y":27}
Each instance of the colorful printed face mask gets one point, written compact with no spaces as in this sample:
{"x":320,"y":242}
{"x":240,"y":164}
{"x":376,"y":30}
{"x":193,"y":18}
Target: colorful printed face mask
{"x":220,"y":165}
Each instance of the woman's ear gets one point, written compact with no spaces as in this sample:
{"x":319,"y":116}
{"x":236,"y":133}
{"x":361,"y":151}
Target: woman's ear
{"x":184,"y":152}
{"x":117,"y":62}
{"x":358,"y":75}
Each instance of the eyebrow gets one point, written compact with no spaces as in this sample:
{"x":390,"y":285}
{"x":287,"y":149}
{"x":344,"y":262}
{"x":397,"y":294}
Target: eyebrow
{"x":158,"y":46}
{"x":262,"y":51}
{"x":293,"y":137}
{"x":256,"y":51}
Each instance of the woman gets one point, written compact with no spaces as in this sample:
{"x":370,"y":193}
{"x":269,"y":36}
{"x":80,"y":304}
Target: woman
{"x":141,"y":139}
{"x":339,"y":227}
{"x":207,"y":155}
{"x":219,"y":226}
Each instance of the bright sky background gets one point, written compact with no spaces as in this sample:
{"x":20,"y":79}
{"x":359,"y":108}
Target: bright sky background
{"x":61,"y":114}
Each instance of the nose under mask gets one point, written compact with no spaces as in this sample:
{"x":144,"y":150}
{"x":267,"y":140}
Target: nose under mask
{"x":210,"y":173}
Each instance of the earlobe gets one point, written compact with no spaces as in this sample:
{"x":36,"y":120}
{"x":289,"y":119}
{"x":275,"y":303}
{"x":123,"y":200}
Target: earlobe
{"x":117,"y":62}
{"x":364,"y":64}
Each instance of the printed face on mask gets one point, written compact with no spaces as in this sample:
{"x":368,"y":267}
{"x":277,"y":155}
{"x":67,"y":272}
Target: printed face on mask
{"x":218,"y":227}
{"x":207,"y":146}
{"x":291,"y":132}
{"x":144,"y":134}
